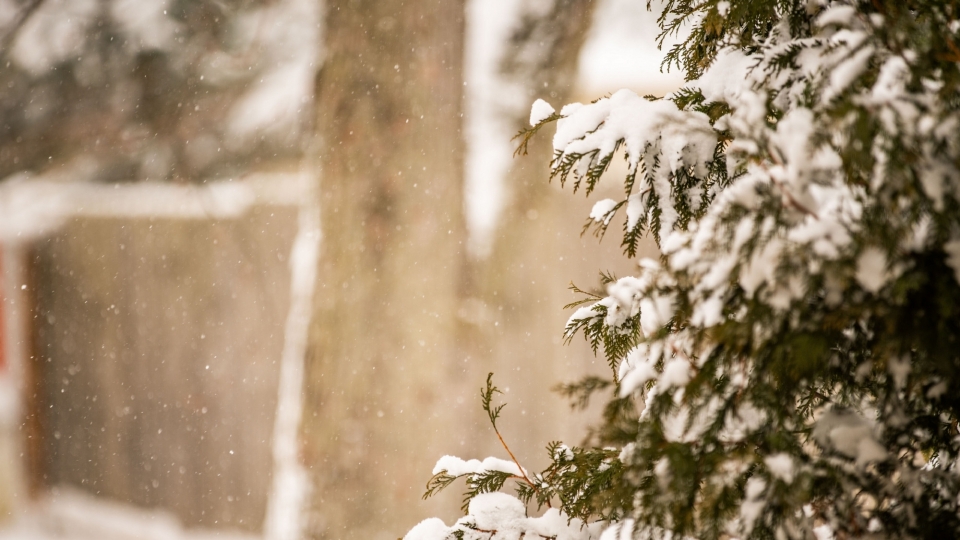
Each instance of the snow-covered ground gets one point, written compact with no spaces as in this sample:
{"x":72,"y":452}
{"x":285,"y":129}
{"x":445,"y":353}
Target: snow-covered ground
{"x":69,"y":514}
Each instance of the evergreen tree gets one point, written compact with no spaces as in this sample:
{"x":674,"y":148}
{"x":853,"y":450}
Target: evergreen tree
{"x":154,"y":90}
{"x":790,"y":368}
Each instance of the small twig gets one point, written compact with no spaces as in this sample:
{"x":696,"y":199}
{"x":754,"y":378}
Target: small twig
{"x":514,"y":458}
{"x":487,"y":395}
{"x":954,"y":49}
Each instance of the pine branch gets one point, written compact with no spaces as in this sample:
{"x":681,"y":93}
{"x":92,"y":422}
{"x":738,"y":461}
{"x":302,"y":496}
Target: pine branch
{"x":527,"y":133}
{"x":438,"y":483}
{"x":486,"y":395}
{"x":579,"y":393}
{"x":590,"y":297}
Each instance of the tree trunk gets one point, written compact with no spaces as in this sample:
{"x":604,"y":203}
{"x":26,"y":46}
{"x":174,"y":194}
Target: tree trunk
{"x":382,"y":352}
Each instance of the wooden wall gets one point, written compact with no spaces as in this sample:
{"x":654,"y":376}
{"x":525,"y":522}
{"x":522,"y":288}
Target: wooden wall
{"x":156,"y":354}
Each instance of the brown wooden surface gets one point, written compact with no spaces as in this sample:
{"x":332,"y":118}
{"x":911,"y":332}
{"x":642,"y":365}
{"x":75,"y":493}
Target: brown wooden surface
{"x":4,"y":302}
{"x":383,"y":353}
{"x":158,"y":345}
{"x":35,"y":408}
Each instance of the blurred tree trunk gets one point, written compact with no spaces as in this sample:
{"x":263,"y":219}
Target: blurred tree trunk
{"x":537,"y":251}
{"x":382,"y":348}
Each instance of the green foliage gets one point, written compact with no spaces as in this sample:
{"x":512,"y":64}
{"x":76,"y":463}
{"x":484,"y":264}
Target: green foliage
{"x":581,"y":480}
{"x":790,"y":368}
{"x":486,"y":397}
{"x":580,"y":392}
{"x":745,"y":25}
{"x":527,"y":134}
{"x":487,"y":482}
{"x":438,"y":483}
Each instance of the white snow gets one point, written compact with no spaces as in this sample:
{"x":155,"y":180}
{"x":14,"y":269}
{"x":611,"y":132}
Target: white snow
{"x":655,"y":312}
{"x":540,"y":111}
{"x":638,"y":368}
{"x":872,"y":269}
{"x":273,"y":106}
{"x":581,"y":314}
{"x":709,"y":312}
{"x":56,"y":31}
{"x":823,"y":532}
{"x":754,"y":503}
{"x":68,"y":514}
{"x":288,"y":37}
{"x":676,"y":372}
{"x":847,"y":72}
{"x":635,"y":210}
{"x":493,"y":100}
{"x":727,"y":78}
{"x":780,"y":466}
{"x":491,"y":103}
{"x":938,"y":390}
{"x":601,"y":210}
{"x":288,"y":494}
{"x":145,"y":22}
{"x":650,"y":131}
{"x":952,"y":248}
{"x":498,"y":515}
{"x":619,"y":531}
{"x":762,"y":267}
{"x":663,"y":473}
{"x":742,"y":421}
{"x":31,"y":207}
{"x":498,"y":512}
{"x":849,"y":434}
{"x":428,"y":529}
{"x":899,"y":369}
{"x":623,"y":300}
{"x":458,"y":467}
{"x":837,"y":15}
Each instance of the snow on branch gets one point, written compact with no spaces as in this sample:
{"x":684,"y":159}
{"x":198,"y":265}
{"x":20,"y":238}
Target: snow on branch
{"x":787,"y":369}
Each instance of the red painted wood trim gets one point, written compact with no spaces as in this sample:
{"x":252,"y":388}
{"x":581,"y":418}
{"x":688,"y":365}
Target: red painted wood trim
{"x":3,"y":326}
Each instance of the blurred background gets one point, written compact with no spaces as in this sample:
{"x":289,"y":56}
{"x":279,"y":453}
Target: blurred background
{"x":257,"y":257}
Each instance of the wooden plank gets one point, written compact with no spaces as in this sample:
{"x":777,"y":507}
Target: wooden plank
{"x":161,"y":342}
